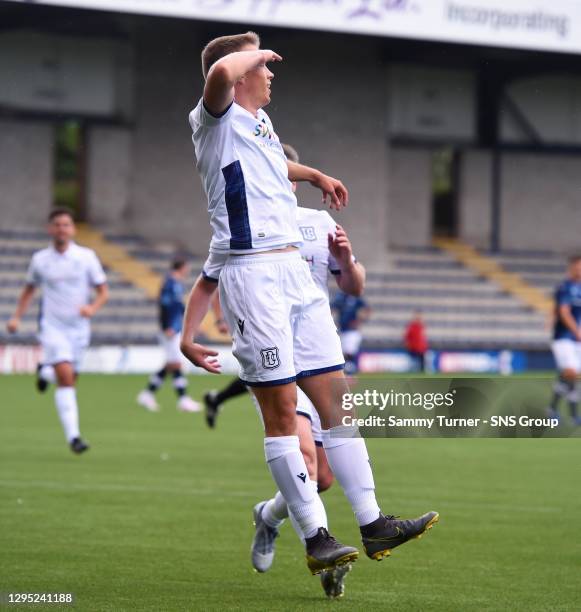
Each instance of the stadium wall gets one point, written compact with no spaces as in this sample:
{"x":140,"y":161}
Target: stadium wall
{"x":141,"y":176}
{"x":474,"y":198}
{"x":165,"y":200}
{"x":541,"y":202}
{"x":410,"y":197}
{"x":108,"y":174}
{"x":25,"y":172}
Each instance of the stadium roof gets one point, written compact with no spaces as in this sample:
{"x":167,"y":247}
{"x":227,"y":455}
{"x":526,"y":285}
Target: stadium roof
{"x":544,"y":25}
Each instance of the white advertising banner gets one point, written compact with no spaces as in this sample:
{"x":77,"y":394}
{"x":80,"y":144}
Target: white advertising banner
{"x":19,"y":359}
{"x":544,"y":25}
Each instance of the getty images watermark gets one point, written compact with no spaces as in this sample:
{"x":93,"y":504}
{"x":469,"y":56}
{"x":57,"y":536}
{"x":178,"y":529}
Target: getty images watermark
{"x":449,"y":407}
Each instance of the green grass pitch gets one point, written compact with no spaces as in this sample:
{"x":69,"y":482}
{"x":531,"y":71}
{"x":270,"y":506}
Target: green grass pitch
{"x":157,"y":515}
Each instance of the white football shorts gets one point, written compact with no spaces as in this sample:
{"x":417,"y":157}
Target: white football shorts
{"x":281,"y":322}
{"x":351,"y":341}
{"x":567,"y":354}
{"x":171,"y":348}
{"x":63,"y":344}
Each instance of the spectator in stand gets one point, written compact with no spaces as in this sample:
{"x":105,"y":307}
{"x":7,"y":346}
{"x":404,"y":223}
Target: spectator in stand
{"x":416,"y":340}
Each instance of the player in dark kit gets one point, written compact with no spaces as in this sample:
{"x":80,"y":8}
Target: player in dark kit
{"x":171,"y":312}
{"x":350,"y":312}
{"x":566,"y":344}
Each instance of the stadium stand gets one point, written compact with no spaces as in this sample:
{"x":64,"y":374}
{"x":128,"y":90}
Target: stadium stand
{"x":461,"y":308}
{"x":542,"y":269}
{"x":492,"y":269}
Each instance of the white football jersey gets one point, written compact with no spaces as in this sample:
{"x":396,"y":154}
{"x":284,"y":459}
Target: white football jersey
{"x":245,"y":176}
{"x":315,"y":226}
{"x":66,"y":280}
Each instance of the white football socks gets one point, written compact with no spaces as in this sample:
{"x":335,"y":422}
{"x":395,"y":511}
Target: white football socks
{"x":47,"y":373}
{"x":275,"y":511}
{"x":349,"y":462}
{"x":322,"y":511}
{"x":289,"y":471}
{"x":66,"y":405}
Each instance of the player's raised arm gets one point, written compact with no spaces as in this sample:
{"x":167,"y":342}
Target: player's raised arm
{"x":351,"y":278}
{"x":331,"y":187}
{"x":227,"y":71}
{"x":23,"y":303}
{"x":196,"y":309}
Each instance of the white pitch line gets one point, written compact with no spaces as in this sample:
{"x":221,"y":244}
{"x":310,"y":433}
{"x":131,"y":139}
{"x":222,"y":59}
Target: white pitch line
{"x":121,"y":488}
{"x":225,"y":493}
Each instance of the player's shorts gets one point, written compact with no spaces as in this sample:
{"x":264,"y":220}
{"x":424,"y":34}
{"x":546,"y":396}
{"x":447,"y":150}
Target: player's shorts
{"x":351,"y":342}
{"x":171,"y":348}
{"x":63,"y":344}
{"x":281,"y":322}
{"x":567,"y":354}
{"x":304,"y":408}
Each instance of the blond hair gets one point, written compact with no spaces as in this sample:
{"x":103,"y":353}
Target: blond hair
{"x":224,"y":45}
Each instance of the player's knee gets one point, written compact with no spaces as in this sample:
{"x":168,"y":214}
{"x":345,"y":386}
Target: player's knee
{"x":278,"y":412}
{"x":65,"y":375}
{"x":284,"y":423}
{"x":324,"y":480}
{"x":569,"y":374}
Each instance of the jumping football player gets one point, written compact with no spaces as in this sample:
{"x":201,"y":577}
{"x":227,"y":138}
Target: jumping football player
{"x":283,"y":332}
{"x":66,"y":274}
{"x":327,"y":250}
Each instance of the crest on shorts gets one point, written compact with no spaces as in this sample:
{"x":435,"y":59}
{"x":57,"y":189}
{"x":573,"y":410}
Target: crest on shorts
{"x":270,"y":358}
{"x":308,"y":232}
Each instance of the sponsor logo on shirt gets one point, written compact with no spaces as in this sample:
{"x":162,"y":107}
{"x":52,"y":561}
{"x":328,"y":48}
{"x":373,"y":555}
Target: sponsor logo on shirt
{"x":262,"y":130}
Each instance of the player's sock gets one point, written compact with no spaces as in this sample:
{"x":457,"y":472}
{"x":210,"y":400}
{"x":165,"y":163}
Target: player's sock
{"x":275,"y":511}
{"x":235,"y":388}
{"x":156,"y":380}
{"x":322,"y":510}
{"x":66,"y":404}
{"x":180,"y":383}
{"x":349,"y":462}
{"x":46,"y":372}
{"x":561,"y":389}
{"x":288,"y":468}
{"x":573,"y":399}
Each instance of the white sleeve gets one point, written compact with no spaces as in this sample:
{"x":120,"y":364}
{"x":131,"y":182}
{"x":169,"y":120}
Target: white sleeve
{"x":213,"y":266}
{"x":32,"y":275}
{"x":96,"y":273}
{"x":202,"y":116}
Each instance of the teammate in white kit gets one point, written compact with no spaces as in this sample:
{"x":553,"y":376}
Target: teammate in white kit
{"x":66,"y":273}
{"x":283,"y":332}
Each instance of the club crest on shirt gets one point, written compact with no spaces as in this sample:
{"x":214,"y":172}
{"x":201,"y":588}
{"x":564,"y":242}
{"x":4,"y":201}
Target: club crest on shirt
{"x":308,"y":232}
{"x":270,"y":359}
